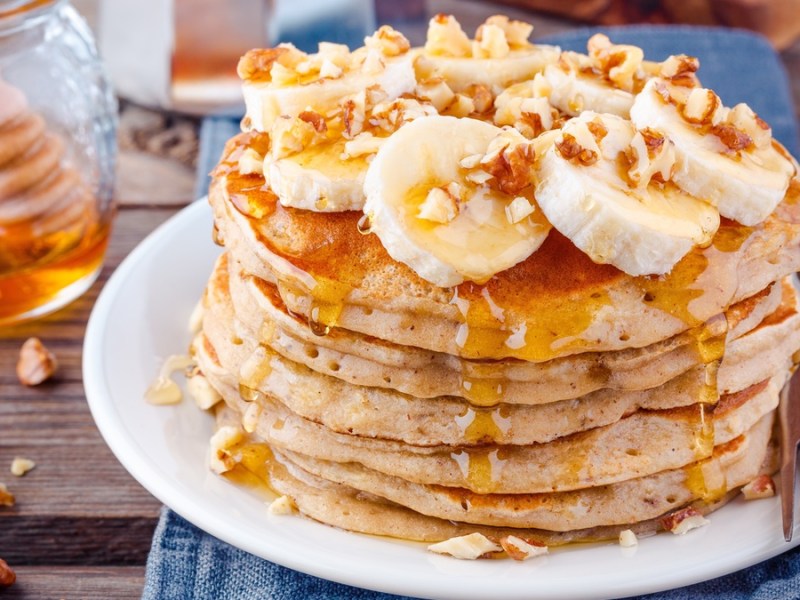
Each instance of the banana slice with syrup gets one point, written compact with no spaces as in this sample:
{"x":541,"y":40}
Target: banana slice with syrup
{"x":453,"y":199}
{"x":726,"y":156}
{"x":606,"y":186}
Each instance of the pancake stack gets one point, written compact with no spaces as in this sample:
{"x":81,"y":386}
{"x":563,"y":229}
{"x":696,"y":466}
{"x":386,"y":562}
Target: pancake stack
{"x":533,"y":360}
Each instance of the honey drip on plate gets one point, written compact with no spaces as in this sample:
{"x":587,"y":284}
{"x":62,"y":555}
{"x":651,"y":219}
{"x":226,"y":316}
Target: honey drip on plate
{"x":252,"y":470}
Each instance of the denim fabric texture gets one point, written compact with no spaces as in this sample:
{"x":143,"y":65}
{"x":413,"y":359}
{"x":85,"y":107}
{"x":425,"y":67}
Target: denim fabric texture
{"x":186,"y":562}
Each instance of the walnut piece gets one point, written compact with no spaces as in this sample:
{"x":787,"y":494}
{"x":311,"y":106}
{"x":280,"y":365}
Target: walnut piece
{"x":520,"y":549}
{"x":255,"y":65}
{"x":681,"y":70}
{"x":282,"y":505}
{"x":389,"y":41}
{"x":761,"y":487}
{"x":466,"y":547}
{"x":7,"y":575}
{"x":446,"y":38}
{"x":20,"y":466}
{"x":36,"y":363}
{"x":627,"y":538}
{"x":6,"y":497}
{"x":683,"y":520}
{"x":508,"y":160}
{"x":570,"y":149}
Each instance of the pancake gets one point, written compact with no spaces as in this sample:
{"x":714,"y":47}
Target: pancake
{"x":640,"y":444}
{"x":355,"y":510}
{"x":372,"y":362}
{"x":589,"y":307}
{"x":375,"y":412}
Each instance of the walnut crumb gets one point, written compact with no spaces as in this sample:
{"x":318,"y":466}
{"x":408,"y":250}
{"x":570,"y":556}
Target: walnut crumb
{"x":6,"y":497}
{"x":36,"y":363}
{"x":20,"y":466}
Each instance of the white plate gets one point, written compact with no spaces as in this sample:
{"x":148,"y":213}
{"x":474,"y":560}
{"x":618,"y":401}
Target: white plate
{"x":141,"y":317}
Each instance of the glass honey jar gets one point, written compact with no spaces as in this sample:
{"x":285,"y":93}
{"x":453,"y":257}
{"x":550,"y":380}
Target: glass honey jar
{"x":57,"y":155}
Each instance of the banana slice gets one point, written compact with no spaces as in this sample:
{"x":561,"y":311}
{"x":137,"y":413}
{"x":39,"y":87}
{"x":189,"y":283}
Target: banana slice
{"x":329,"y":176}
{"x":572,"y":92}
{"x":318,"y":179}
{"x":283,"y":81}
{"x":497,"y":74}
{"x":452,"y":198}
{"x":725,"y":156}
{"x":499,"y":56}
{"x":596,"y":187}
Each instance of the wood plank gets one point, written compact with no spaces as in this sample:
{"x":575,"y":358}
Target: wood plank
{"x":86,"y":583}
{"x":78,"y":506}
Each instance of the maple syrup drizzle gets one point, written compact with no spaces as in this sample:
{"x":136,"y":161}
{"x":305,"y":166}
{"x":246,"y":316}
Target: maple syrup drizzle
{"x":480,"y":467}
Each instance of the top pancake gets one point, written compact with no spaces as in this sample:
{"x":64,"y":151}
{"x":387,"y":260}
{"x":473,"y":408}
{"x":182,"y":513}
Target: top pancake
{"x":555,"y":303}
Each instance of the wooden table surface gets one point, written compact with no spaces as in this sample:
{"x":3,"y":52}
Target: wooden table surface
{"x":81,"y":526}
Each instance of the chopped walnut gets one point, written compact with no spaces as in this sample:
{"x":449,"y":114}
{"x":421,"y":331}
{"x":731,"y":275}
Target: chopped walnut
{"x":316,"y":120}
{"x":6,"y":497}
{"x":761,"y":487}
{"x":354,"y":114}
{"x":461,"y":106}
{"x":466,"y":547}
{"x":282,"y":505}
{"x":516,"y":32}
{"x":255,"y":65}
{"x":482,"y":98}
{"x":446,"y":38}
{"x":7,"y":575}
{"x":702,"y":106}
{"x":681,"y":70}
{"x":389,"y":41}
{"x":204,"y":395}
{"x":442,"y":204}
{"x":569,"y":148}
{"x":362,"y":145}
{"x":36,"y":363}
{"x":20,"y":466}
{"x":651,"y":156}
{"x":520,"y":549}
{"x":518,"y":209}
{"x":627,"y":539}
{"x":733,"y":139}
{"x":436,"y":91}
{"x":508,"y":159}
{"x":621,"y":64}
{"x":683,"y":520}
{"x":291,"y":135}
{"x":222,"y":443}
{"x":745,"y":120}
{"x":490,"y":42}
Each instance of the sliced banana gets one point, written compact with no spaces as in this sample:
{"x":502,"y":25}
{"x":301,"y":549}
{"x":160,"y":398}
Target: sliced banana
{"x":618,"y":215}
{"x":724,"y":156}
{"x":319,"y":179}
{"x":435,"y":205}
{"x":499,"y":56}
{"x":572,"y":92}
{"x":496,"y":73}
{"x":316,"y":82}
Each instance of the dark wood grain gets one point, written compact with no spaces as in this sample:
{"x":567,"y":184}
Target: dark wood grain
{"x":84,"y":583}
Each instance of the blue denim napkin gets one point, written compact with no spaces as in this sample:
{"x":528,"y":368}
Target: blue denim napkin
{"x":186,"y":562}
